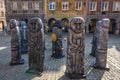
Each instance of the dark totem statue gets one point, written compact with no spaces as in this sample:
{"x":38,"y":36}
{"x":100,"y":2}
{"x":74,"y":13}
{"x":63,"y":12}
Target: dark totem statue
{"x":57,"y":48}
{"x":15,"y":43}
{"x":94,"y":41}
{"x":102,"y":43}
{"x":24,"y":37}
{"x":36,"y":45}
{"x":75,"y":51}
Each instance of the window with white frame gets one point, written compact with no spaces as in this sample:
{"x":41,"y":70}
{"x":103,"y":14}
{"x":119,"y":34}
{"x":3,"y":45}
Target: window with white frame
{"x":14,"y":5}
{"x":1,"y":4}
{"x":78,"y":5}
{"x":36,"y":6}
{"x":116,"y":6}
{"x":25,"y":5}
{"x":52,"y":6}
{"x":93,"y":6}
{"x":65,"y":5}
{"x":104,"y":6}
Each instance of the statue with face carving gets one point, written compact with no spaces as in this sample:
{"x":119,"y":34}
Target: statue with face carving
{"x":57,"y":48}
{"x":102,"y":43}
{"x":36,"y":45}
{"x":24,"y":37}
{"x":94,"y":41}
{"x":75,"y":51}
{"x":15,"y":43}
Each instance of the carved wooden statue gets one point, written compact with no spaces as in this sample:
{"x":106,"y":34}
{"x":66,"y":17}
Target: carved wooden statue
{"x":75,"y":52}
{"x":102,"y":43}
{"x":94,"y":41}
{"x":24,"y":37}
{"x":15,"y":43}
{"x":36,"y":45}
{"x":57,"y":48}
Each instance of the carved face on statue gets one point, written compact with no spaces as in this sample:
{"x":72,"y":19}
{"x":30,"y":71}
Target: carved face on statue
{"x":13,"y":23}
{"x":106,"y":23}
{"x":23,"y":23}
{"x":77,"y":24}
{"x":35,"y":25}
{"x":99,"y":23}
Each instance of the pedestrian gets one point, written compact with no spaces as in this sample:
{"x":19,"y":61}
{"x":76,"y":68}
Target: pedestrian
{"x":5,"y":30}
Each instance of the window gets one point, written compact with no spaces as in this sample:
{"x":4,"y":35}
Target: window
{"x":30,"y":5}
{"x":25,"y":5}
{"x":116,"y":6}
{"x":1,"y":4}
{"x":36,"y":5}
{"x":104,"y":6}
{"x":19,"y":5}
{"x":14,"y":5}
{"x":64,"y":5}
{"x":78,"y":5}
{"x":93,"y":6}
{"x":52,"y":6}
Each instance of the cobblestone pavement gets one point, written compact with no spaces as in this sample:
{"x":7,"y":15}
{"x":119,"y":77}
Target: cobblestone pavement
{"x":54,"y":68}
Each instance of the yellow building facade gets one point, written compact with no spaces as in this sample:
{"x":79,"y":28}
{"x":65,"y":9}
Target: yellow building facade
{"x":64,"y":10}
{"x":2,"y":14}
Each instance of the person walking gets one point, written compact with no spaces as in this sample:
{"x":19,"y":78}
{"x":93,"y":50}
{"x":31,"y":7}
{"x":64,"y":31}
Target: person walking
{"x":4,"y":29}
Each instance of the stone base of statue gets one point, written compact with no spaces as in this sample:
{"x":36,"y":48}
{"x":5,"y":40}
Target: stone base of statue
{"x":57,"y":52}
{"x":91,"y":54}
{"x":21,"y":61}
{"x":56,"y":56}
{"x":33,"y":71}
{"x":75,"y":76}
{"x":101,"y":68}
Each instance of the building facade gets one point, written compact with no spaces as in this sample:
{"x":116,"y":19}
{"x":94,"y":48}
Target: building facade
{"x":98,"y":9}
{"x":24,"y":9}
{"x":2,"y":14}
{"x":64,"y":10}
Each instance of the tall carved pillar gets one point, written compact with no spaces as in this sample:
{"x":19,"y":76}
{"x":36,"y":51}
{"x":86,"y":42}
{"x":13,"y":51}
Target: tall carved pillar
{"x":15,"y":43}
{"x":36,"y":45}
{"x":57,"y":47}
{"x":24,"y":37}
{"x":102,"y":45}
{"x":94,"y":41}
{"x":87,"y":27}
{"x":75,"y":50}
{"x":117,"y":31}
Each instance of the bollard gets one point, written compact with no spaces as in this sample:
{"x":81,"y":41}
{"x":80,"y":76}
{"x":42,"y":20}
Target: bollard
{"x":75,"y":50}
{"x":94,"y":41}
{"x":24,"y":37}
{"x":15,"y":43}
{"x":57,"y":48}
{"x":35,"y":45}
{"x":102,"y":43}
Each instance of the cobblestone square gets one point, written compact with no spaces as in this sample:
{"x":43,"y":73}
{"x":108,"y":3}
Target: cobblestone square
{"x":54,"y":68}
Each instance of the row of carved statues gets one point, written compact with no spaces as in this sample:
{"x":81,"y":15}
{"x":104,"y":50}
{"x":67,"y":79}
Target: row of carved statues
{"x":30,"y":39}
